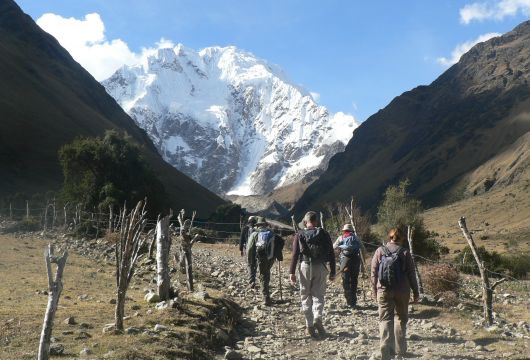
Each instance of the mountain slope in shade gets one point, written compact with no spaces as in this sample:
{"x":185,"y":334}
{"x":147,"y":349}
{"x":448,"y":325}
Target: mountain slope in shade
{"x":228,"y":119}
{"x":437,"y":135}
{"x":46,"y":100}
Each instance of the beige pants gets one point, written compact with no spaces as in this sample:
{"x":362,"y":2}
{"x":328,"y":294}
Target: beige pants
{"x":393,"y":317}
{"x":312,"y":290}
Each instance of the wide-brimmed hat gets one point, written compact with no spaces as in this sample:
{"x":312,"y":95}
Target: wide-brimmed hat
{"x":260,"y":221}
{"x":347,"y":227}
{"x":251,"y":219}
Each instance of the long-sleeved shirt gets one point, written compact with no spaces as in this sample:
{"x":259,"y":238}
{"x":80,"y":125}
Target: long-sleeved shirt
{"x":245,"y":233}
{"x":356,"y":244}
{"x":407,"y":282}
{"x":330,"y":257}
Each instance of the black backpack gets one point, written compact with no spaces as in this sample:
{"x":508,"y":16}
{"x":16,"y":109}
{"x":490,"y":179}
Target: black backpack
{"x":390,"y":268}
{"x":314,"y":246}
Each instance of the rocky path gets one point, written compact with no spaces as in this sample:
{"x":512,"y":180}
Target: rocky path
{"x":277,"y":332}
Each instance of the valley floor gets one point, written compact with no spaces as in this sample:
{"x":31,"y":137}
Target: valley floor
{"x":276,"y":332}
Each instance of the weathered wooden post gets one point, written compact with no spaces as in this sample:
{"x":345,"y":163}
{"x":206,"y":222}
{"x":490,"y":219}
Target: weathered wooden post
{"x":151,"y":235}
{"x":27,"y":210}
{"x":410,"y":232}
{"x":65,"y":210}
{"x":185,"y":257}
{"x":10,"y":211}
{"x":487,"y":290}
{"x":111,"y":208}
{"x":55,"y":286}
{"x":127,"y":249}
{"x":54,"y":213}
{"x":163,"y":246}
{"x":322,"y":220}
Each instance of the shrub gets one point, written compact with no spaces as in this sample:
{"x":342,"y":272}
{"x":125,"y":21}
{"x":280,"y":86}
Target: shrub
{"x":31,"y":224}
{"x":517,"y":265}
{"x":467,"y":264}
{"x":400,"y":209}
{"x":440,"y":278}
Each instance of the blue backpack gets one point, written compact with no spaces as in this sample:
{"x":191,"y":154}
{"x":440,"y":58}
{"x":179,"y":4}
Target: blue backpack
{"x":350,"y":245}
{"x":263,"y":242}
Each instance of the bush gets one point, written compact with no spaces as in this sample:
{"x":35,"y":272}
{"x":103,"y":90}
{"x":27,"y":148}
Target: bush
{"x":399,"y":209}
{"x":440,"y":278}
{"x":517,"y":265}
{"x":31,"y":224}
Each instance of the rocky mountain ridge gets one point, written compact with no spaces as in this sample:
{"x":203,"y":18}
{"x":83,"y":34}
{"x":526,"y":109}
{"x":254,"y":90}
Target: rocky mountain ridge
{"x":438,"y":135}
{"x":231,"y":121}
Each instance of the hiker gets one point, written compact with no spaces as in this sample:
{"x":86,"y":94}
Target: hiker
{"x":312,"y":248}
{"x":350,"y":261}
{"x":243,"y":242}
{"x":393,"y":276}
{"x":267,"y":247}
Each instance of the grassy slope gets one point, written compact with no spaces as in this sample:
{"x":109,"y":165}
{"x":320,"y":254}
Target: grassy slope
{"x":23,"y":306}
{"x":46,"y":100}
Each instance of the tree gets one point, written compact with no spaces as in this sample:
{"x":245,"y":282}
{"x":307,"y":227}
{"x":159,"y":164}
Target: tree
{"x":400,"y":209}
{"x":109,"y":170}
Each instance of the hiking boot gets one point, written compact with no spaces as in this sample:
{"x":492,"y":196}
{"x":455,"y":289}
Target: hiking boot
{"x":310,"y":331}
{"x":320,"y":328}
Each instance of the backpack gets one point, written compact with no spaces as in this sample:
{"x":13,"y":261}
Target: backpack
{"x":350,"y":245}
{"x":390,"y":268}
{"x":314,"y":245}
{"x":264,"y":242}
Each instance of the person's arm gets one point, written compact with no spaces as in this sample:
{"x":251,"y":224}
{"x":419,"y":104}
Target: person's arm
{"x":374,"y":272}
{"x":331,"y":256}
{"x":411,"y":275}
{"x":294,"y":259}
{"x":243,"y":239}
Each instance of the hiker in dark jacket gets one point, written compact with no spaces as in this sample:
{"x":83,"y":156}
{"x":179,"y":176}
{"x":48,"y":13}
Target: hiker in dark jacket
{"x":350,"y":261}
{"x":243,"y":240}
{"x":312,"y":249}
{"x":267,"y":247}
{"x":393,"y":301}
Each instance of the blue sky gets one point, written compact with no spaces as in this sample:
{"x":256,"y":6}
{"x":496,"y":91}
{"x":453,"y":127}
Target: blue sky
{"x":357,"y":56}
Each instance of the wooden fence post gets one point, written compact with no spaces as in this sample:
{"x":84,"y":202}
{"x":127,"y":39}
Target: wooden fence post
{"x":410,"y":232}
{"x":27,"y":210}
{"x":127,"y":251}
{"x":111,"y":208}
{"x":185,"y":259}
{"x":10,"y":211}
{"x":163,"y":246}
{"x":487,"y":290}
{"x":55,"y":286}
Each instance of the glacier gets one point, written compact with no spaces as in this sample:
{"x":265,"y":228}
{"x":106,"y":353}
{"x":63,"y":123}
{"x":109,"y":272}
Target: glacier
{"x":231,"y":121}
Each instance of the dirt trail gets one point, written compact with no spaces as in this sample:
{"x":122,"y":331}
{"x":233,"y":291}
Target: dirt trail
{"x":277,"y":332}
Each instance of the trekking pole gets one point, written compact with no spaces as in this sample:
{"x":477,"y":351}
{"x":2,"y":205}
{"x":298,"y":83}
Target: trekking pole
{"x":280,"y":278}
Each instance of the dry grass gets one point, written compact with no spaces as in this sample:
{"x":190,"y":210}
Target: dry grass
{"x":23,"y":305}
{"x":497,"y":219}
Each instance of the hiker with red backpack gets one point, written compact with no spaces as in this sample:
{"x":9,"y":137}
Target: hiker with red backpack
{"x":266,"y":247}
{"x":350,"y":262}
{"x":393,"y":276}
{"x":312,"y":249}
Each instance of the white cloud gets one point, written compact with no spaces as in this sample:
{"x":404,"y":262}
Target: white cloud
{"x":315,"y":96}
{"x":85,"y":40}
{"x":480,"y":11}
{"x":462,"y":48}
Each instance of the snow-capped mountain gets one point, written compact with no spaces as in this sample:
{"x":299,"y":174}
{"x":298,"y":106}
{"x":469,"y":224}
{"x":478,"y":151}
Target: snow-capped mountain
{"x":229,"y":120}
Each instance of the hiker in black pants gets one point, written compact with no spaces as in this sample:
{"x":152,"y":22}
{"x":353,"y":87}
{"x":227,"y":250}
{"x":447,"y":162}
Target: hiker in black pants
{"x":243,"y":242}
{"x":350,"y":262}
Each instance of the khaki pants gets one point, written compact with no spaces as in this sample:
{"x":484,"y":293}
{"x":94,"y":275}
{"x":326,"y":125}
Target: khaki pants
{"x":393,"y":317}
{"x":312,"y":290}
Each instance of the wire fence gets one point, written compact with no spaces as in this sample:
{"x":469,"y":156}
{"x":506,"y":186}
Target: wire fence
{"x":73,"y":217}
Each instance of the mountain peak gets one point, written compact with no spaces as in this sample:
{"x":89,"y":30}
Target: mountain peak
{"x":230,"y":120}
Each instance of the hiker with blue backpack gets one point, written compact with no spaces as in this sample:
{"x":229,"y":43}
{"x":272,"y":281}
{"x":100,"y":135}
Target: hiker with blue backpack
{"x":265,"y":246}
{"x":393,"y":276}
{"x":350,"y":261}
